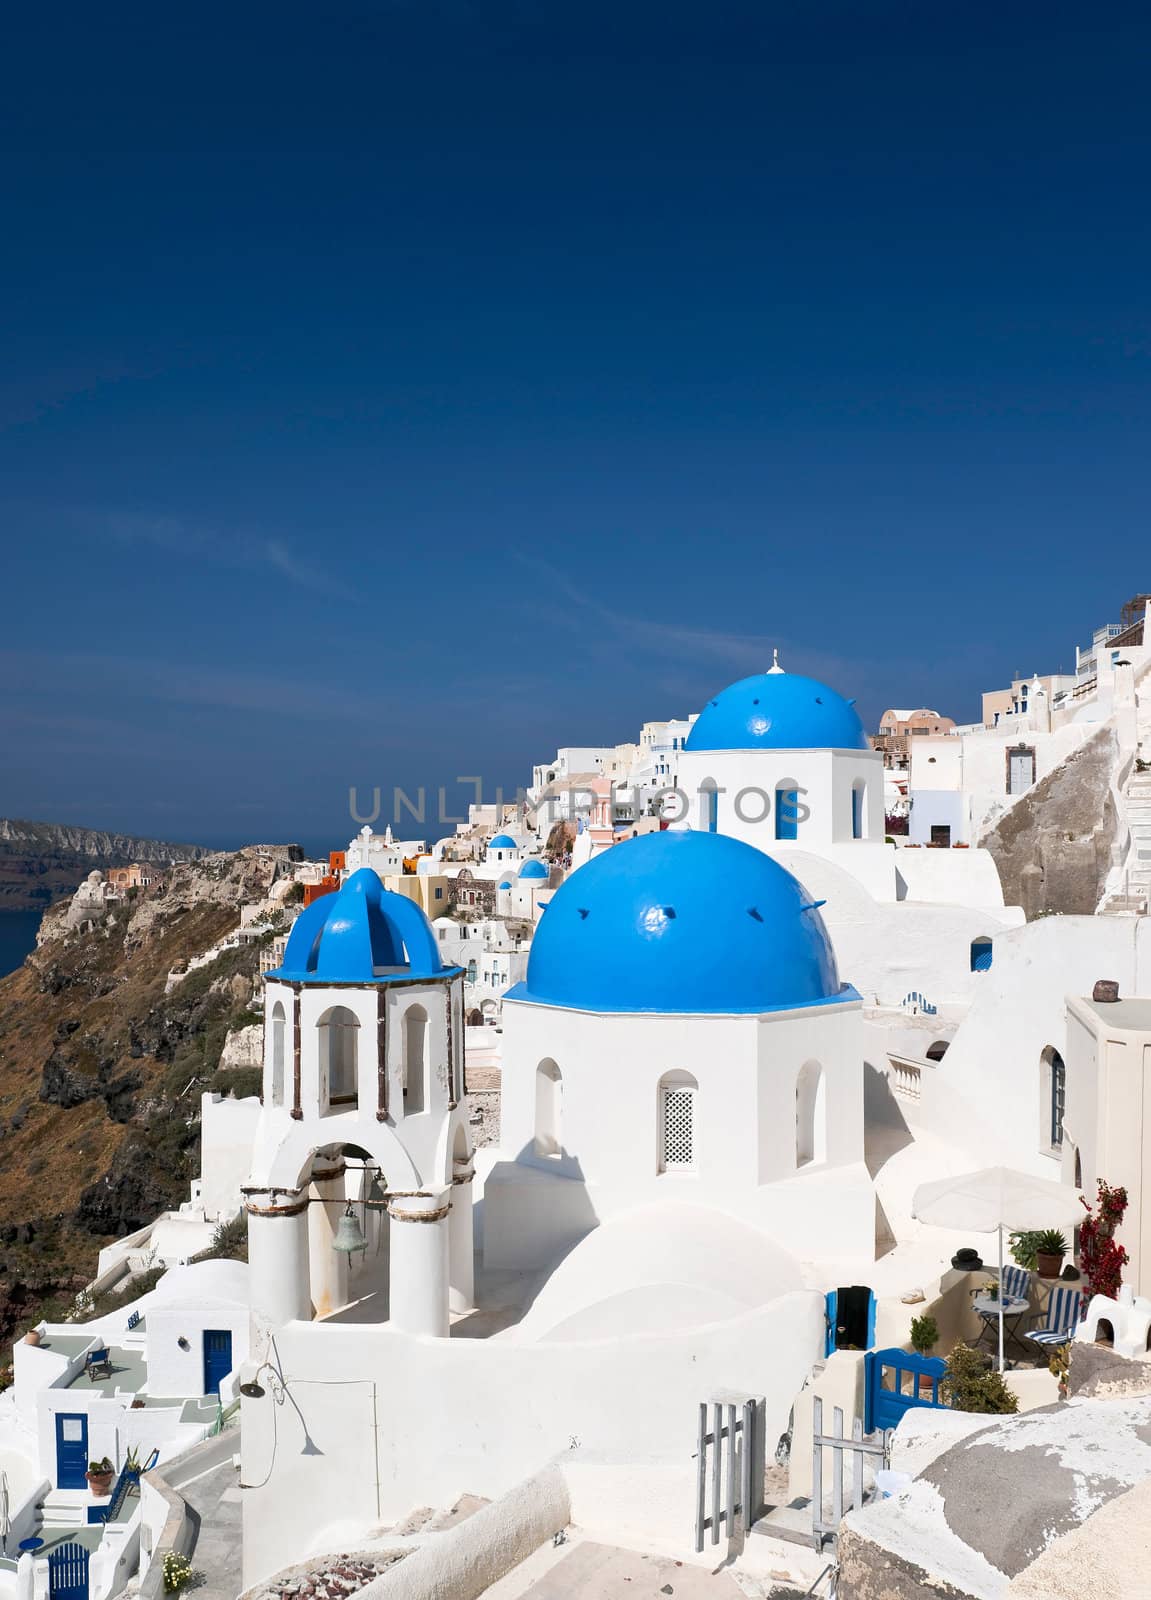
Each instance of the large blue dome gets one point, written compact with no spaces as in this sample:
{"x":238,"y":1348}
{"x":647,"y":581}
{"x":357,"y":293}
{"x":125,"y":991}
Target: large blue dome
{"x":681,"y":922}
{"x":363,"y":933}
{"x":778,"y":711}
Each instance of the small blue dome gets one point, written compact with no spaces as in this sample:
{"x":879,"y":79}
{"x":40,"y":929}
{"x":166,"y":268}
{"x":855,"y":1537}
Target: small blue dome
{"x":533,"y":869}
{"x":361,"y":934}
{"x":502,"y":841}
{"x":681,"y":922}
{"x":777,"y":711}
{"x":505,"y":883}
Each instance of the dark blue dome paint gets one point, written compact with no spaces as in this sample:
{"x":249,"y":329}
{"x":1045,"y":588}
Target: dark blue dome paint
{"x":681,"y":922}
{"x":777,"y":711}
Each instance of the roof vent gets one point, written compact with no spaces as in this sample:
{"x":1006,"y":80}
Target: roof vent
{"x":1106,"y":991}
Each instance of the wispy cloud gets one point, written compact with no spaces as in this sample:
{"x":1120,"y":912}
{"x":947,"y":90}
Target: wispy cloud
{"x":690,"y":651}
{"x":209,"y":547}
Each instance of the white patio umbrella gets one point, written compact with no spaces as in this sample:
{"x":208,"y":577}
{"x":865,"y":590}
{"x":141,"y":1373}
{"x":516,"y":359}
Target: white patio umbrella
{"x":5,"y":1516}
{"x":993,"y":1199}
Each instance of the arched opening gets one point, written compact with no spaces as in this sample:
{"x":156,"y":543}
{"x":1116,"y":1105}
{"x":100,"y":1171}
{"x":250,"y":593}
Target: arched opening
{"x":549,"y":1109}
{"x":937,"y":1051}
{"x":338,"y":1028}
{"x":1078,"y":1170}
{"x":475,"y":1017}
{"x":981,"y":954}
{"x":787,"y":809}
{"x":709,"y":805}
{"x":1052,"y":1098}
{"x":858,"y":809}
{"x":1104,"y":1332}
{"x":278,"y":1027}
{"x":676,"y":1107}
{"x":415,"y":1060}
{"x":810,"y":1115}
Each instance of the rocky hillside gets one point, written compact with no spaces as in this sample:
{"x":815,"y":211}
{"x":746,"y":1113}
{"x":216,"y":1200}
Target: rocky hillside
{"x":40,"y":861}
{"x":101,"y":1071}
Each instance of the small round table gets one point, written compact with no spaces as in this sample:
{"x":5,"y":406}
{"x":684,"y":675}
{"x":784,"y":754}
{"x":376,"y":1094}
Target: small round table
{"x":31,"y":1544}
{"x":1014,"y":1307}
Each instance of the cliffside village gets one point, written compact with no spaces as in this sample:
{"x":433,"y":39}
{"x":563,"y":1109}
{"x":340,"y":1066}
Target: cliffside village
{"x":634,"y":1172}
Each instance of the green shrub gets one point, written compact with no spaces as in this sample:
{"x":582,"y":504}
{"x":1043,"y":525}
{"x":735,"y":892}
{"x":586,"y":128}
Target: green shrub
{"x":970,"y":1383}
{"x":924,"y":1334}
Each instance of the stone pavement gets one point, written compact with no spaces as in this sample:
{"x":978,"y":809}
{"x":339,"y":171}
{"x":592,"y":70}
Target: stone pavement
{"x":593,"y":1571}
{"x":216,"y":1554}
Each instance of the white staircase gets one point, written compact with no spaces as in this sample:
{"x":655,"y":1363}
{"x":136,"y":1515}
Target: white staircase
{"x":1137,"y":799}
{"x":67,"y":1508}
{"x":1132,"y":895}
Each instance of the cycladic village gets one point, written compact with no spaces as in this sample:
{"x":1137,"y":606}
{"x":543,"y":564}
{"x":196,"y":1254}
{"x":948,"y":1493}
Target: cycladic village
{"x":719,"y":1164}
{"x":575,"y":801}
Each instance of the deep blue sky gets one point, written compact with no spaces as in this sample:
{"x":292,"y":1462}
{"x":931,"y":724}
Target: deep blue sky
{"x":396,"y":391}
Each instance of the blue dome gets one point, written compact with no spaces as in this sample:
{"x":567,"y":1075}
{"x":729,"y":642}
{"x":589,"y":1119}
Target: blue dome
{"x":360,"y":934}
{"x":778,"y":711}
{"x":502,"y":841}
{"x":505,"y":883}
{"x":681,"y":922}
{"x":533,"y":869}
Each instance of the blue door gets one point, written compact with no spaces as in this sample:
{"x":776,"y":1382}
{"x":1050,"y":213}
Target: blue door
{"x":217,"y":1357}
{"x":68,"y":1573}
{"x":71,"y":1450}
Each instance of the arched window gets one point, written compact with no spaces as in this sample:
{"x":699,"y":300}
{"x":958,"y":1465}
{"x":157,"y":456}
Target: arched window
{"x":981,"y":954}
{"x":1079,"y":1183}
{"x":810,"y":1115}
{"x":338,"y":1028}
{"x":415,"y":1060}
{"x":1052,"y":1097}
{"x":676,"y":1117}
{"x":709,"y":805}
{"x":549,"y":1109}
{"x":937,"y":1051}
{"x":787,"y":809}
{"x":858,"y":809}
{"x":278,"y":1025}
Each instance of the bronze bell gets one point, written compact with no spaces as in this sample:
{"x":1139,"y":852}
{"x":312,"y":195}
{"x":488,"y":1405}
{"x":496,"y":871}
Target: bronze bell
{"x":349,"y":1235}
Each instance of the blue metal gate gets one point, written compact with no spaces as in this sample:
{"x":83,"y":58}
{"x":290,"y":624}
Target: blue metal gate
{"x":68,"y":1573}
{"x":895,"y":1383}
{"x":217,"y":1357}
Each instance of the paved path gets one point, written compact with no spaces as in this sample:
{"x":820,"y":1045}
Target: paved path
{"x":216,"y":1555}
{"x":602,"y":1572}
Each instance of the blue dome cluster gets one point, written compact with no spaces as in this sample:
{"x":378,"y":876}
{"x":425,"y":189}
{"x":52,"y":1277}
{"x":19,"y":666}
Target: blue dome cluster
{"x":681,"y":922}
{"x":362,"y":933}
{"x":778,"y":711}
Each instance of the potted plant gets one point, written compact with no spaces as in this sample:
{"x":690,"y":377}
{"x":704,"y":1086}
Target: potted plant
{"x":1050,"y":1248}
{"x":99,"y":1476}
{"x":991,"y":1289}
{"x":924,"y":1338}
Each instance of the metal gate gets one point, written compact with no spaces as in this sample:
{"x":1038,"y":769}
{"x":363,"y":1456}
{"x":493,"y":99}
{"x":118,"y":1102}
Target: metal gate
{"x":840,"y":1445}
{"x":725,"y":1469}
{"x":895,"y":1383}
{"x":68,"y":1573}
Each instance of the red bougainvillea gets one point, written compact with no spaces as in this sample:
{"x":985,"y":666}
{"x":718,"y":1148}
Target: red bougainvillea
{"x":1101,"y":1259}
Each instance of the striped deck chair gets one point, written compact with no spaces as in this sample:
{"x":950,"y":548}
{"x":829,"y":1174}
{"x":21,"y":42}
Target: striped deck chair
{"x":1062,"y":1318}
